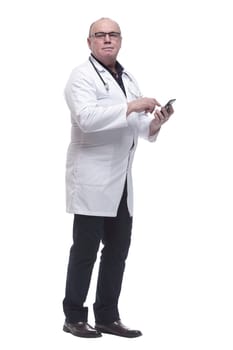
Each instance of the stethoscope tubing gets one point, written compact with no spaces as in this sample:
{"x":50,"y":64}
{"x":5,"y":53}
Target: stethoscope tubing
{"x":99,"y":75}
{"x":101,"y":78}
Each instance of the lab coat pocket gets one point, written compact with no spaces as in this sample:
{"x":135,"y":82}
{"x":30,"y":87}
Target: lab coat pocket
{"x":102,"y":98}
{"x":92,"y":173}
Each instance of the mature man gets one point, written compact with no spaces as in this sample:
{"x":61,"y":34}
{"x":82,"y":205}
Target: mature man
{"x":108,"y":114}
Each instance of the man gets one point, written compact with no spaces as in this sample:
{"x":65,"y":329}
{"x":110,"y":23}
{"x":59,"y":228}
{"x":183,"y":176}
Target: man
{"x":108,"y":115}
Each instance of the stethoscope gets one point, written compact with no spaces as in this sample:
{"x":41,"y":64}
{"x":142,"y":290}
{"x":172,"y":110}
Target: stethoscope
{"x":99,"y":75}
{"x":101,"y":78}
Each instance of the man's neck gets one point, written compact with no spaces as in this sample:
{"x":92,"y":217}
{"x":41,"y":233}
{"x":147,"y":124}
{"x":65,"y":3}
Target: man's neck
{"x":111,"y":65}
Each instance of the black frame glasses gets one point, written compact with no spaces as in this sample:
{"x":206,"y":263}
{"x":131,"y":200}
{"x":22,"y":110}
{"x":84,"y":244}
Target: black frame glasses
{"x":102,"y":35}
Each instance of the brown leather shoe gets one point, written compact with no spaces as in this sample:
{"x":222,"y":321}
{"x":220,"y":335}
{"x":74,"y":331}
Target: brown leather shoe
{"x":117,"y":328}
{"x":81,"y":329}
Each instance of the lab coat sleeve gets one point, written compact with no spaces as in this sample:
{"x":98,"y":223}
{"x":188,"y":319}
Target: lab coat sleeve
{"x":141,"y":122}
{"x":92,"y":111}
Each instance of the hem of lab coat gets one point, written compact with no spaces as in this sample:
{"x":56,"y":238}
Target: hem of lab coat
{"x":92,"y":213}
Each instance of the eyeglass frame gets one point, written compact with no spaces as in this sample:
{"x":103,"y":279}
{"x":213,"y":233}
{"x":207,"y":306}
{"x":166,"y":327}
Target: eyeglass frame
{"x":102,"y":35}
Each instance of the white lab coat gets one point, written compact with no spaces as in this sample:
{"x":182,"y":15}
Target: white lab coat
{"x":103,"y":141}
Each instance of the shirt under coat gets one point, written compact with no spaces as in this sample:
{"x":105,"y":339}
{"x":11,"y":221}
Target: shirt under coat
{"x":103,"y":140}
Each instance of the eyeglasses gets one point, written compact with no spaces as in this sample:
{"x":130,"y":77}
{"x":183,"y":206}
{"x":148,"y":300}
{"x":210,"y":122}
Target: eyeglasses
{"x":102,"y":35}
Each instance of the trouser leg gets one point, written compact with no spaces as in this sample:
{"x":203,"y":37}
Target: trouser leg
{"x":116,"y":241}
{"x":87,"y":233}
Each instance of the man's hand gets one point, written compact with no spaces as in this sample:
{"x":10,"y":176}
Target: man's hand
{"x":160,"y":117}
{"x":144,"y":104}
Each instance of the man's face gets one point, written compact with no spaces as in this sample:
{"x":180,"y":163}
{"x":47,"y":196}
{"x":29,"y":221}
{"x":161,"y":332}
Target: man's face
{"x":105,"y":47}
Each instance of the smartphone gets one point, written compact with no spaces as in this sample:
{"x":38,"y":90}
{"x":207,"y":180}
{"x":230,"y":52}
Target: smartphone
{"x":169,"y":103}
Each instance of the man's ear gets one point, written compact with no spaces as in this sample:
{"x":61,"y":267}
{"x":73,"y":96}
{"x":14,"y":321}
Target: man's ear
{"x":89,"y":43}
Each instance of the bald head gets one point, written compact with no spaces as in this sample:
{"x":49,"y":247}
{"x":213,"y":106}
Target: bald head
{"x":103,"y":21}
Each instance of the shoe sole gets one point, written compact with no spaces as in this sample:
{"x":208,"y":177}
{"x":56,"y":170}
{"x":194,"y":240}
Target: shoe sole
{"x":67,"y":330}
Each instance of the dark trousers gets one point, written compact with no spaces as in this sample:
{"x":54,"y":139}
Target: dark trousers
{"x":88,"y":232}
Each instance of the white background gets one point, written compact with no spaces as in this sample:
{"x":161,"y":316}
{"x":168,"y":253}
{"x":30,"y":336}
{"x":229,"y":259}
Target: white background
{"x":178,"y":283}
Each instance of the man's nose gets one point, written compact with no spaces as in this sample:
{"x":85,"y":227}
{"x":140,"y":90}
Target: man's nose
{"x":107,"y":37}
